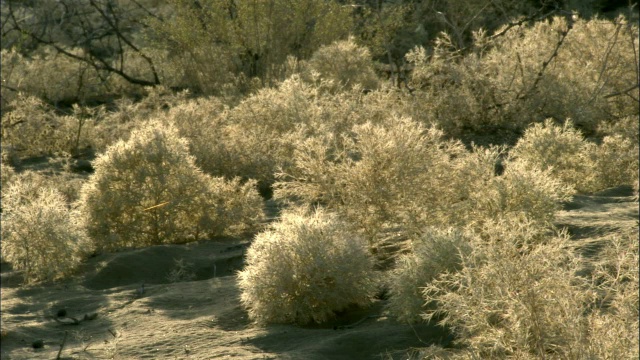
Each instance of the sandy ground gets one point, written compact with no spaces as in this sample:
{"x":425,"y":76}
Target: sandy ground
{"x":195,"y":313}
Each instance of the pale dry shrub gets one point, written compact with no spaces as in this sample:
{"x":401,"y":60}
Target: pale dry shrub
{"x":616,"y":162}
{"x":381,"y":176}
{"x":33,"y":128}
{"x":117,"y":124}
{"x":49,"y":76}
{"x":562,"y":151}
{"x":67,"y":184}
{"x":515,"y":297}
{"x":200,"y":121}
{"x":8,"y":174}
{"x":258,"y":132}
{"x":305,"y":268}
{"x":452,"y":92}
{"x":402,"y":176}
{"x":628,"y":127}
{"x":434,"y":253}
{"x":345,"y":64}
{"x":255,"y":138}
{"x":521,"y":191}
{"x":29,"y":128}
{"x":148,"y":190}
{"x":614,"y":326}
{"x":39,"y":235}
{"x":503,"y":82}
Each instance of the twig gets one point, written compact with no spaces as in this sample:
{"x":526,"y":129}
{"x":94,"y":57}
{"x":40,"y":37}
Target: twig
{"x":623,"y":92}
{"x":540,"y":73}
{"x":351,"y":326}
{"x":62,"y":345}
{"x":156,"y":206}
{"x":605,"y":61}
{"x":563,"y":36}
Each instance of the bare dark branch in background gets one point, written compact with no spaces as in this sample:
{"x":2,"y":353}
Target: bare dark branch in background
{"x":101,"y":28}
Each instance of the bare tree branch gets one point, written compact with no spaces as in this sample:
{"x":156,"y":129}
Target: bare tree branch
{"x":109,"y":29}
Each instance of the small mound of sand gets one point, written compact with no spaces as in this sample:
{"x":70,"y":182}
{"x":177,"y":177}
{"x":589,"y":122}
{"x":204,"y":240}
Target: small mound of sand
{"x":153,"y":265}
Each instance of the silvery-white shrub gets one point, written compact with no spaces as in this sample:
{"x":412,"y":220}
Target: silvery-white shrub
{"x":39,"y":235}
{"x":305,"y":268}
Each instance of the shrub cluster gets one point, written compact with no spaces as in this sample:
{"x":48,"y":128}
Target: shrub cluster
{"x":400,"y":174}
{"x":373,"y":182}
{"x":581,"y":164}
{"x":305,"y":268}
{"x":514,"y":296}
{"x":615,"y":277}
{"x":49,"y":77}
{"x":557,"y":68}
{"x":518,"y":295}
{"x":147,"y":190}
{"x":560,"y":149}
{"x":616,"y":162}
{"x":33,"y":128}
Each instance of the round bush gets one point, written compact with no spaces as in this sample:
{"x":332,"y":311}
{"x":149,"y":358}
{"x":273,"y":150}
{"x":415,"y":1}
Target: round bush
{"x":345,"y":63}
{"x":148,"y":190}
{"x":522,"y":190}
{"x":38,"y":234}
{"x":560,"y":149}
{"x":616,"y":162}
{"x":304,"y":269}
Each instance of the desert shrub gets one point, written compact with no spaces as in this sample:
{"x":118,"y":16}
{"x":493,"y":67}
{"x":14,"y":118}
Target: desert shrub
{"x":628,"y":127}
{"x":560,"y":149}
{"x":521,"y":191}
{"x":256,"y":139}
{"x":452,"y":92}
{"x":29,"y":128}
{"x":382,"y":175}
{"x":403,"y":177}
{"x":305,"y":268}
{"x":65,"y":183}
{"x":200,"y":121}
{"x":39,"y":236}
{"x":8,"y":174}
{"x":49,"y":76}
{"x":556,"y":68}
{"x":127,"y":114}
{"x":345,"y":64}
{"x":253,"y":42}
{"x":400,"y":173}
{"x":569,"y":157}
{"x":147,"y":190}
{"x":33,"y":128}
{"x":515,"y":296}
{"x":614,"y":326}
{"x":616,"y":162}
{"x":435,"y":252}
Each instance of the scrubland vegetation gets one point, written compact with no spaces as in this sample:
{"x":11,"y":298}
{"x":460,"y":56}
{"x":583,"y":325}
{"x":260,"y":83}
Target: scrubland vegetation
{"x":416,"y":151}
